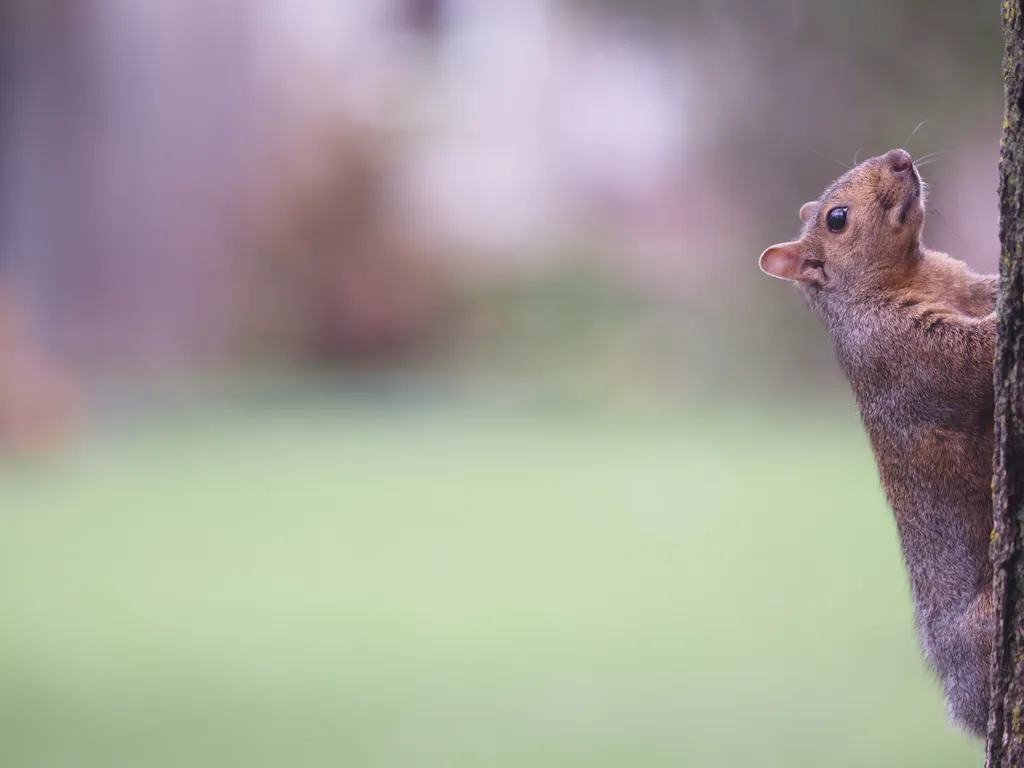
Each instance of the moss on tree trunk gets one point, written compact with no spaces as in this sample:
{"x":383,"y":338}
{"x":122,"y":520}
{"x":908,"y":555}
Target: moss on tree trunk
{"x":1005,"y":745}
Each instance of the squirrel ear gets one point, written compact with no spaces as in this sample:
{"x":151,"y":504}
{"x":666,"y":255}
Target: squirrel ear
{"x":784,"y":261}
{"x":807,"y":209}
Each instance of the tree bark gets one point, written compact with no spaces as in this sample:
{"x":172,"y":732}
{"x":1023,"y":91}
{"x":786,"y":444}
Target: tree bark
{"x":1005,"y":743}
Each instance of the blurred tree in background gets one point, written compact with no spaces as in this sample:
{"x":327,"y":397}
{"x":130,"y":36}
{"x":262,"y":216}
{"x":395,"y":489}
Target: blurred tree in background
{"x":188,"y":184}
{"x":341,"y":280}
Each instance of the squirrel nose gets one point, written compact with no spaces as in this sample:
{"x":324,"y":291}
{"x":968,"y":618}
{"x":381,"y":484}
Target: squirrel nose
{"x":899,"y":160}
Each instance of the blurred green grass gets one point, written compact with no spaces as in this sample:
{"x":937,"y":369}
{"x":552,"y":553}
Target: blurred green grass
{"x":353,"y":586}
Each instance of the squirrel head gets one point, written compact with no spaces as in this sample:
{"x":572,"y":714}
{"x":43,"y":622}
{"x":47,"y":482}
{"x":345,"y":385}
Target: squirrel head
{"x":865,"y":228}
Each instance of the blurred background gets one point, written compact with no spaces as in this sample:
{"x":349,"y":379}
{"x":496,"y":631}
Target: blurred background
{"x":392,"y":383}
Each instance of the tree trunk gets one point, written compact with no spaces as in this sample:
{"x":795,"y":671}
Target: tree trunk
{"x":1005,"y":747}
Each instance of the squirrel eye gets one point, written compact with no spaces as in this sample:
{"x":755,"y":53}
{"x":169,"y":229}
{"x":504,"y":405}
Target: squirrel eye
{"x":837,"y":219}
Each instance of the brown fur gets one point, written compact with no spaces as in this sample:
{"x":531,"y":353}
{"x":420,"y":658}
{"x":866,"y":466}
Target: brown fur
{"x":915,"y":333}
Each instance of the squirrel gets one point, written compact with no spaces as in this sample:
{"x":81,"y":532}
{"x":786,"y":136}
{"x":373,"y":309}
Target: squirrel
{"x":915,"y":332}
